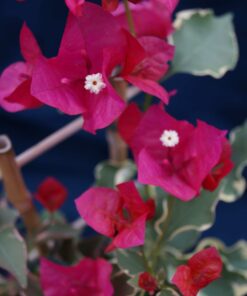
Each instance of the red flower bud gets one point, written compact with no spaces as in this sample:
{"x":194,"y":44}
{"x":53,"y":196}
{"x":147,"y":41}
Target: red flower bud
{"x":51,"y":194}
{"x":147,"y":282}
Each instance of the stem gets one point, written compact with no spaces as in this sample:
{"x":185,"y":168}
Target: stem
{"x":156,"y":250}
{"x":129,"y":18}
{"x":118,"y":150}
{"x":49,"y":142}
{"x":131,"y":92}
{"x":15,"y":188}
{"x":168,"y":285}
{"x":146,"y":263}
{"x":147,"y":101}
{"x":52,"y":218}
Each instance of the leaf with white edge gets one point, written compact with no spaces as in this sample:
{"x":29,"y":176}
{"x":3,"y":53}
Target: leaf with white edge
{"x":153,"y":226}
{"x":234,"y":185}
{"x":197,"y":214}
{"x":109,"y":175}
{"x":8,"y":216}
{"x":230,"y":284}
{"x":237,"y":257}
{"x":210,"y":242}
{"x":205,"y":44}
{"x":13,"y":254}
{"x":130,"y":261}
{"x":125,"y":173}
{"x":185,"y":240}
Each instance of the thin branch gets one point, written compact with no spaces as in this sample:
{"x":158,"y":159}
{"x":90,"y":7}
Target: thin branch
{"x":59,"y":136}
{"x":129,"y":18}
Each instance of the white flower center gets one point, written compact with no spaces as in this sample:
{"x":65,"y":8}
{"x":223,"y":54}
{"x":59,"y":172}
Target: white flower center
{"x":169,"y":138}
{"x":94,"y":83}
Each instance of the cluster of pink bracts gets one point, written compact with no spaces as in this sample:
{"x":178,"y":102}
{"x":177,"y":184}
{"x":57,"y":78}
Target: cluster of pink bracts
{"x":92,"y":277}
{"x":96,"y":49}
{"x":103,"y":209}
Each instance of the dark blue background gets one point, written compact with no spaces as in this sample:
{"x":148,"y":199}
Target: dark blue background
{"x":219,"y":102}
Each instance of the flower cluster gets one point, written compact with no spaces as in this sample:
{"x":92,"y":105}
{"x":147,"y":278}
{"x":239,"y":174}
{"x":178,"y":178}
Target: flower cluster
{"x":119,"y":214}
{"x":91,"y":56}
{"x":99,"y":48}
{"x":173,"y":154}
{"x":202,"y":268}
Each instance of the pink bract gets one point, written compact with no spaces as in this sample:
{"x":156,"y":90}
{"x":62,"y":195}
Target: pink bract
{"x":151,"y":18}
{"x":88,"y":277}
{"x":181,"y":169}
{"x":119,"y":214}
{"x":51,"y":194}
{"x":103,"y":48}
{"x":146,"y":70}
{"x":15,"y":81}
{"x":87,"y":48}
{"x":223,"y":168}
{"x":75,"y":6}
{"x":202,"y":269}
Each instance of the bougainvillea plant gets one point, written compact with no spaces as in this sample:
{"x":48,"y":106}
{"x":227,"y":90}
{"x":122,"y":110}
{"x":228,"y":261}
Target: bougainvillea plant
{"x":145,"y":215}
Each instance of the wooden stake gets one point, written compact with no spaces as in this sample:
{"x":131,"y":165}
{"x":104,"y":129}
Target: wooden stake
{"x":15,"y":188}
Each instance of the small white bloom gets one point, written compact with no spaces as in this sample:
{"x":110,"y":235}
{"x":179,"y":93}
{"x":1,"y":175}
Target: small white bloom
{"x":169,"y":138}
{"x":94,"y":83}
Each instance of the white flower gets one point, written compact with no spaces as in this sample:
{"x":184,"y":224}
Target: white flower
{"x":94,"y":83}
{"x":169,"y":138}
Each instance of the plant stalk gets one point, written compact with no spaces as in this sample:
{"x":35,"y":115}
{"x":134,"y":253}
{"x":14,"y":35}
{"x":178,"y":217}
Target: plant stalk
{"x":118,"y":150}
{"x":156,"y":250}
{"x":129,"y":17}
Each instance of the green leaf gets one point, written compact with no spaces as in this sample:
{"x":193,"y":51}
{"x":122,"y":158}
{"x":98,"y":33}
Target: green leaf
{"x":197,"y":214}
{"x":13,"y":254}
{"x":230,"y":284}
{"x":8,"y":216}
{"x":184,"y":224}
{"x":237,"y":257}
{"x":219,"y":287}
{"x":185,"y":240}
{"x":130,"y":261}
{"x":234,"y":185}
{"x":109,"y":175}
{"x":205,"y":44}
